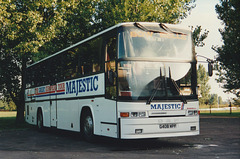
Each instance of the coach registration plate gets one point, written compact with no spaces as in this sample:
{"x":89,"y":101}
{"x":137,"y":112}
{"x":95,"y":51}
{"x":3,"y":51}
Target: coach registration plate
{"x":167,"y":126}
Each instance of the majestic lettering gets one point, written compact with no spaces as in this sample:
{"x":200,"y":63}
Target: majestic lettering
{"x":88,"y":84}
{"x":73,"y":87}
{"x":167,"y":106}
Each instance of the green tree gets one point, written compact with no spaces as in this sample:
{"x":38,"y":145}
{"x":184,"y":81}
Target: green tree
{"x":7,"y":104}
{"x":204,"y":86}
{"x":199,"y":36}
{"x":26,"y":25}
{"x":79,"y":25}
{"x":111,"y":12}
{"x":237,"y":102}
{"x":213,"y":99}
{"x":220,"y":100}
{"x":229,"y":53}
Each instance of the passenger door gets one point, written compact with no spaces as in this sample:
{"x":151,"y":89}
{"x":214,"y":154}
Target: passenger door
{"x":53,"y":108}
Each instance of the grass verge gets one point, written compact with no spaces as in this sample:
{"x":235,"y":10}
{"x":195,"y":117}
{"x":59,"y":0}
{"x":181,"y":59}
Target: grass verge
{"x":8,"y":113}
{"x":223,"y":114}
{"x":9,"y":123}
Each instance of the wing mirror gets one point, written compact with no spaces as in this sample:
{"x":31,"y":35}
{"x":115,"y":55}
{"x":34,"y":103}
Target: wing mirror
{"x":210,"y":65}
{"x":210,"y":68}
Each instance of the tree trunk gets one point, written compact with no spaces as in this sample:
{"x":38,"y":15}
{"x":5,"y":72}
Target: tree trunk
{"x":20,"y":113}
{"x":21,"y":100}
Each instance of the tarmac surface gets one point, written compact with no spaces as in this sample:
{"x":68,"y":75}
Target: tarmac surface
{"x":219,"y":139}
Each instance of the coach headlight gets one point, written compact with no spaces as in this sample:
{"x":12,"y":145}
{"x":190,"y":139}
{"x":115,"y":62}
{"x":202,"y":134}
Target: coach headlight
{"x":133,"y":114}
{"x":192,"y":112}
{"x":138,"y":114}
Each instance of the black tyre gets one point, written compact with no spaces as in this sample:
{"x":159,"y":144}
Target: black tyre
{"x":87,"y":126}
{"x":40,"y":126}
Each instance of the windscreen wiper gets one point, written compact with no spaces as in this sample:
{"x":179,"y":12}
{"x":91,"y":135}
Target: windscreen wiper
{"x":164,"y":27}
{"x":177,"y":87}
{"x":138,"y":25}
{"x":156,"y":89}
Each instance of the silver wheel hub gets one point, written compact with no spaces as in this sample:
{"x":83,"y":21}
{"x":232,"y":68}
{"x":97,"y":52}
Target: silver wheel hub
{"x":88,"y":126}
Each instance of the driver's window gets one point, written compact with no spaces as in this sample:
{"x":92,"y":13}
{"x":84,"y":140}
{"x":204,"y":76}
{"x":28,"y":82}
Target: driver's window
{"x":110,"y":67}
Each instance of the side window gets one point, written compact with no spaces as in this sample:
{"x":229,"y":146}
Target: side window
{"x":110,"y":67}
{"x":38,"y":75}
{"x":81,"y":60}
{"x":29,"y":78}
{"x":45,"y":73}
{"x":87,"y":58}
{"x":68,"y":64}
{"x":96,"y":55}
{"x":90,"y":56}
{"x":55,"y":69}
{"x":34,"y":77}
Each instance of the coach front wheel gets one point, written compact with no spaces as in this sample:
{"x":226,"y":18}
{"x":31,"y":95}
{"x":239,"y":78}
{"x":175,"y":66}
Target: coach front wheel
{"x":87,"y":126}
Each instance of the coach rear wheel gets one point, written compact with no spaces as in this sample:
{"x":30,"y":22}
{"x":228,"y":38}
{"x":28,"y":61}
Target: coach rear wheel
{"x":40,"y":121}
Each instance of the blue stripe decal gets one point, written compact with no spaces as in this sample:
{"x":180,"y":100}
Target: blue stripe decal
{"x":45,"y":95}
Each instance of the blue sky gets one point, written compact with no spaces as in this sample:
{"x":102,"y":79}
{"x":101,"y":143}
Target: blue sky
{"x":204,"y":15}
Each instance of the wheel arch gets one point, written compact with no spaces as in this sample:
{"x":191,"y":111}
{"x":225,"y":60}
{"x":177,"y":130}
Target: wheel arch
{"x":82,"y":112}
{"x":40,"y":109}
{"x":84,"y":109}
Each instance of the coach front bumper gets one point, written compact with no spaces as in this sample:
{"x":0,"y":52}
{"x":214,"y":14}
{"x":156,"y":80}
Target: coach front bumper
{"x":137,"y":128}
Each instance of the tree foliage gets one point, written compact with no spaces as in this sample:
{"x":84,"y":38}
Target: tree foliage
{"x":79,"y":25}
{"x":199,"y":36}
{"x":6,"y":104}
{"x":220,"y":100}
{"x":213,"y":99}
{"x":204,"y":86}
{"x":90,"y":17}
{"x":237,"y":101}
{"x":111,"y":12}
{"x":26,"y":25}
{"x":33,"y":29}
{"x":229,"y":53}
